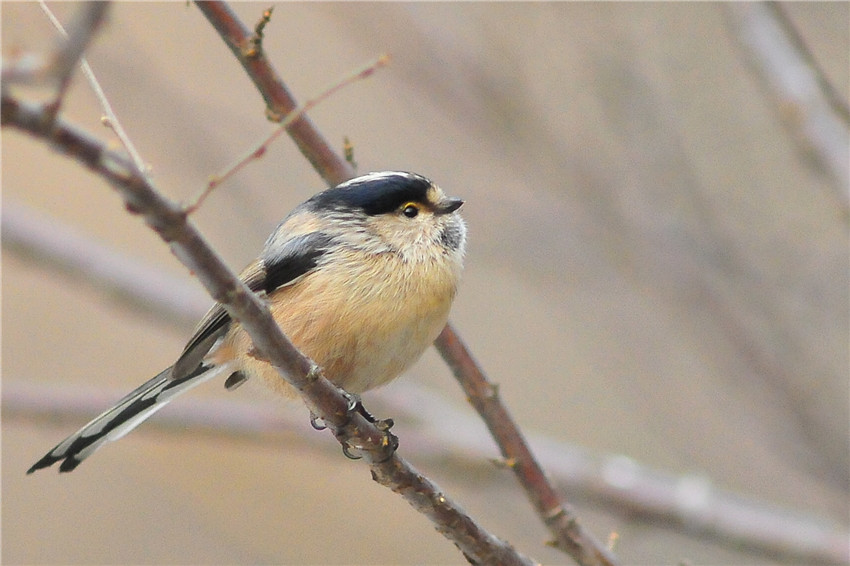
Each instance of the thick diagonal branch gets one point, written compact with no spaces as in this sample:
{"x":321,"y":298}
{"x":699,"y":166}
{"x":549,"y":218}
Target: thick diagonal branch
{"x":323,"y":398}
{"x":334,"y":169}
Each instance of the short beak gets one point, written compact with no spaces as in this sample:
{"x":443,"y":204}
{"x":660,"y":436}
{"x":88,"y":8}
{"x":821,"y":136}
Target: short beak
{"x":448,"y":205}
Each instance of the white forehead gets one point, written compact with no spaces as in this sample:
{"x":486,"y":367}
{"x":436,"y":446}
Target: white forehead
{"x":380,"y":175}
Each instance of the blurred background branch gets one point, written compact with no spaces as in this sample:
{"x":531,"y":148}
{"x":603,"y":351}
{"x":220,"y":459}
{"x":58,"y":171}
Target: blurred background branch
{"x":817,"y":117}
{"x":62,"y":62}
{"x":438,"y":432}
{"x":109,"y":118}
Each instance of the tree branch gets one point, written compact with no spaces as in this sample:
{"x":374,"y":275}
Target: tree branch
{"x":110,"y":119}
{"x":569,"y":535}
{"x":54,"y":245}
{"x":614,"y":481}
{"x":82,"y":30}
{"x":260,"y":149}
{"x":67,"y":54}
{"x":484,"y":396}
{"x":323,"y":398}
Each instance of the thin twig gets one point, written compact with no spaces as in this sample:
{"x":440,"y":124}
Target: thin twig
{"x":279,"y":101}
{"x":323,"y":398}
{"x":110,"y":119}
{"x":335,"y":169}
{"x":82,"y":30}
{"x":59,"y":67}
{"x":65,"y":78}
{"x":260,"y":149}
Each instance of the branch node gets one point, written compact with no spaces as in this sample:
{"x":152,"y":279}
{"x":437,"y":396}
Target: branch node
{"x":504,"y":463}
{"x":389,"y":444}
{"x":314,"y":373}
{"x":273,"y":116}
{"x":257,"y":355}
{"x":554,"y":514}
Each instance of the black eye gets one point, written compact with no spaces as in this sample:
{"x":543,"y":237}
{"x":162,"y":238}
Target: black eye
{"x":410,"y":210}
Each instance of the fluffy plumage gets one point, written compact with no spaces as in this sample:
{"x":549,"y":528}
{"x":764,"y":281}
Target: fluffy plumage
{"x":360,"y":277}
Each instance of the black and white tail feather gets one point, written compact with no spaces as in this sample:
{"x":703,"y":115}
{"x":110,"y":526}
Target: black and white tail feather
{"x":278,"y":266}
{"x":287,"y":257}
{"x":126,"y":415}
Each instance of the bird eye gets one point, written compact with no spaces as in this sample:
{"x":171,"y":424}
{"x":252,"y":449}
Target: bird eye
{"x":410,"y":210}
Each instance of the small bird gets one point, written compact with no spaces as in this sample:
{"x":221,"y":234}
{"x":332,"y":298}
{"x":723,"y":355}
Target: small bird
{"x":360,"y":277}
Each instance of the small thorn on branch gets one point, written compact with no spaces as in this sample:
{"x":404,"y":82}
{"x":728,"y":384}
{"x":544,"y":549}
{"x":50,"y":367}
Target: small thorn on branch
{"x":255,"y":44}
{"x":261,"y":25}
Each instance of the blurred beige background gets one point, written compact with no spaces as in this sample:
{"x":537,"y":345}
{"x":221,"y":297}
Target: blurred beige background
{"x":654,"y":270}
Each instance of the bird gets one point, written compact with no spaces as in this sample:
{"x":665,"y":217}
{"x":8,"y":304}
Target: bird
{"x":360,"y":277}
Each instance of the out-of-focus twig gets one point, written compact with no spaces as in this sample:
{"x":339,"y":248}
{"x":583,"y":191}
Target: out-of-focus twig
{"x":441,"y":432}
{"x":110,"y":119}
{"x":570,"y":536}
{"x":323,"y":399}
{"x":82,"y":30}
{"x":62,"y":62}
{"x":55,"y":246}
{"x":838,"y":102}
{"x":247,"y":48}
{"x":688,"y":503}
{"x":800,"y":92}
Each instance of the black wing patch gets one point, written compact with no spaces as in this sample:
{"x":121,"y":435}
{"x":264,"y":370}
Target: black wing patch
{"x":294,"y":259}
{"x":276,"y":268}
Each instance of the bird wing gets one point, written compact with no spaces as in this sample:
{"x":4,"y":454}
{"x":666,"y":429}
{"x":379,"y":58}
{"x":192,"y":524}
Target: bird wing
{"x":276,"y":268}
{"x":293,"y":260}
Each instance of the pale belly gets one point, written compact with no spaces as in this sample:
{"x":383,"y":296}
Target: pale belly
{"x":361,"y":338}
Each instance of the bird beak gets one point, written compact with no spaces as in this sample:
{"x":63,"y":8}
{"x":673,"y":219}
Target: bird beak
{"x":448,"y":205}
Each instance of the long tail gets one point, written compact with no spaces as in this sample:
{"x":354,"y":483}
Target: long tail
{"x":126,"y":415}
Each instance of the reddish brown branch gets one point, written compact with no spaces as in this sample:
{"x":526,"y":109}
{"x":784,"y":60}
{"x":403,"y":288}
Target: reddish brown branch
{"x":323,"y":398}
{"x":569,"y":535}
